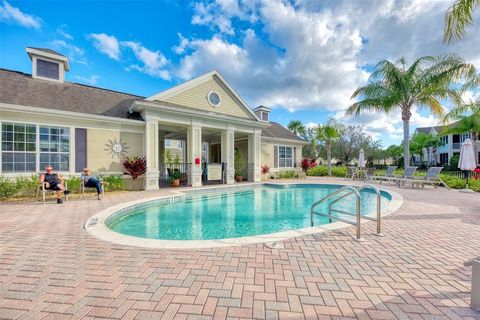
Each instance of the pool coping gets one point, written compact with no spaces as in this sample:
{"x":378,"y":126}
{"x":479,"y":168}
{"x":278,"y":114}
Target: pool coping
{"x":96,"y":225}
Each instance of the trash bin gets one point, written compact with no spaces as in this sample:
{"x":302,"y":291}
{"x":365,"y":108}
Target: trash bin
{"x":475,"y":299}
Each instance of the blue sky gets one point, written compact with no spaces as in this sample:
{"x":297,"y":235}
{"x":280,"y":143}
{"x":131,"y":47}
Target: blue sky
{"x":302,"y":58}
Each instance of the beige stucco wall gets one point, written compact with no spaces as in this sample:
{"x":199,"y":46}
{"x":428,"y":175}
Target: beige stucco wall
{"x":100,"y":160}
{"x":268,"y":155}
{"x":196,"y":97}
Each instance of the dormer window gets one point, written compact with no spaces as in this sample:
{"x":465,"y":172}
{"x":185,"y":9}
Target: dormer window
{"x":264,"y":116}
{"x":47,"y":69}
{"x":48,"y":64}
{"x":262,"y":113}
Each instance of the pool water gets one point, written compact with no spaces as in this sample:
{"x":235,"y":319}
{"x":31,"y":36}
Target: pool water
{"x":236,"y":213}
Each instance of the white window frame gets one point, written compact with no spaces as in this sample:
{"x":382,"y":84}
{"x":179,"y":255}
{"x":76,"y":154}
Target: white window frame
{"x":13,"y":141}
{"x":59,"y":153}
{"x":71,"y":151}
{"x":291,"y":158}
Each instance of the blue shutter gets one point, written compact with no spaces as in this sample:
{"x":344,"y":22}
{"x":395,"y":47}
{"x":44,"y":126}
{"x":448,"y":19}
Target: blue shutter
{"x":80,"y":149}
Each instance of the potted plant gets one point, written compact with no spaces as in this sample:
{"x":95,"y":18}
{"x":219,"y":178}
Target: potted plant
{"x":174,"y":178}
{"x":265,"y":170}
{"x":135,"y":166}
{"x":239,"y":165}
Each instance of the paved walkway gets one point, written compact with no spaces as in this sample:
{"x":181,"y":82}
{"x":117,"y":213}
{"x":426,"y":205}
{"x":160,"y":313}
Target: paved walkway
{"x":50,"y":268}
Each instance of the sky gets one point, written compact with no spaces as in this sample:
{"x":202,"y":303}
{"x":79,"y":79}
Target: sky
{"x":302,"y":58}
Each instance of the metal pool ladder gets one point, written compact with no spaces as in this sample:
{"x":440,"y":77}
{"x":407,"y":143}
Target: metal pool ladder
{"x":350,"y":190}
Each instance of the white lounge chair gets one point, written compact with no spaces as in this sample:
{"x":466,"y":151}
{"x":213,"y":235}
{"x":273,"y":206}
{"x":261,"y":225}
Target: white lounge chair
{"x":388,"y":174}
{"x":431,"y":177}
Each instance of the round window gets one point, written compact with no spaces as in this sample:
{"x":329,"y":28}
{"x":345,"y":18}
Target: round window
{"x":214,"y":98}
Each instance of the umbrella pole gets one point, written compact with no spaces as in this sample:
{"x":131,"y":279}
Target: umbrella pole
{"x":465,"y":172}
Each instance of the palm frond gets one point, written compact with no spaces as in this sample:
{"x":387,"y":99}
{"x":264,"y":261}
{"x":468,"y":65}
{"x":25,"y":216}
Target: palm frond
{"x":457,"y":18}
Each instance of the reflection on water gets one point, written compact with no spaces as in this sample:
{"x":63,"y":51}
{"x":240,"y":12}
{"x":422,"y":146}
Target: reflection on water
{"x":230,"y":214}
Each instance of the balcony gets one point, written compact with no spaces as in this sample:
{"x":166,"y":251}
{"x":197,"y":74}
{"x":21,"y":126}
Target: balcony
{"x":456,"y":145}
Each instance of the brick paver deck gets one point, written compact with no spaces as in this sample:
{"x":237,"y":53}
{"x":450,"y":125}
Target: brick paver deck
{"x":50,"y":268}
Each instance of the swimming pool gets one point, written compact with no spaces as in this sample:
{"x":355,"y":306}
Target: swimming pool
{"x":233,"y":213}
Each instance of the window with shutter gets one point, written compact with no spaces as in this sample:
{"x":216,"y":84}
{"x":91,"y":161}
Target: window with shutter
{"x":47,"y":69}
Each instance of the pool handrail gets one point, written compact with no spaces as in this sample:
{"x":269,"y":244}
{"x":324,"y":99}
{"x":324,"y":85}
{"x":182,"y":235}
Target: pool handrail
{"x":378,"y":211}
{"x":329,"y":215}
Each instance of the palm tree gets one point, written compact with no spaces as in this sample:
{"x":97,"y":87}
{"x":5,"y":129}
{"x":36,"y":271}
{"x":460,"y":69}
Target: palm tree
{"x":329,"y":134}
{"x":394,"y":86}
{"x":457,"y":18}
{"x":297,"y":128}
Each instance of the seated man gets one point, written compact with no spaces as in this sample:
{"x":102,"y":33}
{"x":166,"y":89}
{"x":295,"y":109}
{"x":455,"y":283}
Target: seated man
{"x":54,"y":181}
{"x":91,"y":181}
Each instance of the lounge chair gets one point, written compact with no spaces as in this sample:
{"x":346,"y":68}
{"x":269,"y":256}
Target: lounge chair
{"x":389,"y":174}
{"x":42,"y":190}
{"x":370,"y":174}
{"x":351,"y":172}
{"x":408,"y":175}
{"x":431,"y":177}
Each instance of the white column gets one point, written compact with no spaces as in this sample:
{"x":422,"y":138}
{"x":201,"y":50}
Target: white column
{"x":194,"y":152}
{"x":151,"y":154}
{"x":254,"y":145}
{"x":228,"y":150}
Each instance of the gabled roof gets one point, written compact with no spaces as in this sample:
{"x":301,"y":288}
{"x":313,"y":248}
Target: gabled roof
{"x":164,"y":95}
{"x":278,"y":131}
{"x":46,"y":50}
{"x":21,"y":89}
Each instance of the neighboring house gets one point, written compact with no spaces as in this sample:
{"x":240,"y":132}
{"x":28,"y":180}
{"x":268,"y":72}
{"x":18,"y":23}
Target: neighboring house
{"x":451,"y":146}
{"x":47,"y":120}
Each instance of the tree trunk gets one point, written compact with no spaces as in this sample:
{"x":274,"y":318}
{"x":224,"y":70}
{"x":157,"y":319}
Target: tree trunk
{"x":406,"y":114}
{"x":329,"y":159}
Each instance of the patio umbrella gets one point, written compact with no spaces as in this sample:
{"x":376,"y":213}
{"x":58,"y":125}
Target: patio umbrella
{"x":467,"y":159}
{"x":361,"y":159}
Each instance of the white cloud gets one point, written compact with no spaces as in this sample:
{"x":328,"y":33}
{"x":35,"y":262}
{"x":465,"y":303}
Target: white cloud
{"x":10,"y":14}
{"x":106,"y":44}
{"x":153,"y":61}
{"x":61,"y":31}
{"x":182,"y":46}
{"x":92,"y":80}
{"x":311,"y":54}
{"x":73,"y":52}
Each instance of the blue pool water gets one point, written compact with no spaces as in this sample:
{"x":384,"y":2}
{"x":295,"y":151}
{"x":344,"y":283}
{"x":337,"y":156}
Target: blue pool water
{"x":230,"y":214}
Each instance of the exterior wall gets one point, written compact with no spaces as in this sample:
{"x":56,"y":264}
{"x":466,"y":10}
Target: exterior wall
{"x":100,"y":159}
{"x":98,"y":129}
{"x":268,"y":154}
{"x":196,"y":97}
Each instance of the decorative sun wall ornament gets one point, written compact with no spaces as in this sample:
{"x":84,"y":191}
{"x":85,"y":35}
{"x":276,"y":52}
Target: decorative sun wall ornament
{"x":116,"y":148}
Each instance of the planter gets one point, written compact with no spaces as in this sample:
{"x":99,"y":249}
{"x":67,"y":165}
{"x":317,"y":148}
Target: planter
{"x":239,"y":178}
{"x":134,"y":185}
{"x":176,"y":183}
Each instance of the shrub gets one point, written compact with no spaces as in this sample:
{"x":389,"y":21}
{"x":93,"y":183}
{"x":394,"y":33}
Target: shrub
{"x":454,"y":162}
{"x":265,"y":169}
{"x":115,"y":183}
{"x":135,"y":166}
{"x":8,"y":188}
{"x":452,"y":181}
{"x":306,"y":164}
{"x":26,"y":186}
{"x":321,"y":171}
{"x":287,"y":174}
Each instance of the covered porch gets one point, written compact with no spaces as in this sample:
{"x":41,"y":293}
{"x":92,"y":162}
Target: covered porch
{"x":199,"y":149}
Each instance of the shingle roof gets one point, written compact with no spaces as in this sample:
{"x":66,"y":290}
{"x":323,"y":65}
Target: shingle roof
{"x":21,"y":89}
{"x":48,"y":51}
{"x":276,"y":130}
{"x":424,"y":129}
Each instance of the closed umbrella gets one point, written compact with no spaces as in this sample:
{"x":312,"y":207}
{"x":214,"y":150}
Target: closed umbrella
{"x":361,"y":159}
{"x":467,"y":159}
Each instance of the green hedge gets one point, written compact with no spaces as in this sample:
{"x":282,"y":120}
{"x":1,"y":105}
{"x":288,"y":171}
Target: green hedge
{"x":27,"y":186}
{"x":320,"y":171}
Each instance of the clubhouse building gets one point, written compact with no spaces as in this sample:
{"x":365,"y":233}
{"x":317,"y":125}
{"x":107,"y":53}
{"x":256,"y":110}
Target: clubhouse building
{"x":203,"y":124}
